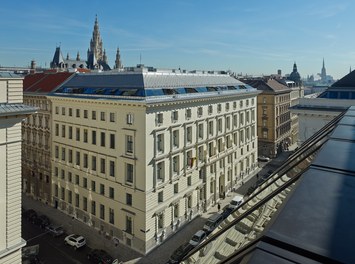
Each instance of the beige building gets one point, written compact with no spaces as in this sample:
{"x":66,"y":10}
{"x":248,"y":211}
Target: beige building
{"x":12,"y":111}
{"x":36,"y":134}
{"x":274,"y":118}
{"x":138,"y":154}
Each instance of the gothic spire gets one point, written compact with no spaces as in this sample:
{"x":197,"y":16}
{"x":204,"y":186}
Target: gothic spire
{"x":118,"y":62}
{"x":78,"y":56}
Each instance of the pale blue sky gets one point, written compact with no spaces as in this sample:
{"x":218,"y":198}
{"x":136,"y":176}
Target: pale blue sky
{"x":254,"y":37}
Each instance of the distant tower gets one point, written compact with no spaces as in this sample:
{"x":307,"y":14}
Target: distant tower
{"x":97,"y":58}
{"x":78,"y":56}
{"x":323,"y":74}
{"x":295,"y":76}
{"x":33,"y":64}
{"x":279,"y":72}
{"x":118,"y":62}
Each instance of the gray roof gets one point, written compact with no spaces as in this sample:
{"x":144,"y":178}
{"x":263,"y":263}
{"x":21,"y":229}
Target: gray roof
{"x":16,"y":109}
{"x":9,"y":75}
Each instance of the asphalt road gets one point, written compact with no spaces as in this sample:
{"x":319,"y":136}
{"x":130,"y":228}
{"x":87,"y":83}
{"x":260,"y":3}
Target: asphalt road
{"x":52,"y":249}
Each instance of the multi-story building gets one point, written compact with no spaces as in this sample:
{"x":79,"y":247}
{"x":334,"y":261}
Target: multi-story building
{"x":36,"y":134}
{"x":138,"y":154}
{"x":274,"y":119}
{"x":12,"y":111}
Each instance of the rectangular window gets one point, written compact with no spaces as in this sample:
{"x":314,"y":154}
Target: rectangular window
{"x":129,"y":225}
{"x":189,"y":135}
{"x":63,"y":193}
{"x":111,"y":216}
{"x":160,"y":197}
{"x":199,"y":111}
{"x":70,"y":132}
{"x":56,"y":152}
{"x":176,"y":188}
{"x":63,"y":130}
{"x":159,"y":119}
{"x":93,"y":115}
{"x":77,"y":200}
{"x":129,"y":119}
{"x":93,"y":163}
{"x":210,"y":109}
{"x":77,"y":132}
{"x":57,"y":130}
{"x":111,"y":193}
{"x":112,"y":117}
{"x":112,"y":168}
{"x":220,"y":125}
{"x":103,"y":139}
{"x":112,"y":141}
{"x":129,"y":173}
{"x":70,"y":158}
{"x":175,"y":116}
{"x":62,"y":172}
{"x":176,"y":138}
{"x":85,"y":182}
{"x":176,"y":167}
{"x":93,"y":137}
{"x":56,"y":171}
{"x":210,"y":128}
{"x":102,"y":189}
{"x":70,"y":197}
{"x":102,"y":165}
{"x":102,"y":211}
{"x":85,"y":204}
{"x":219,"y":108}
{"x":85,"y":161}
{"x":93,"y":207}
{"x":160,"y":143}
{"x":57,"y":110}
{"x":85,"y":113}
{"x":77,"y":182}
{"x":77,"y":158}
{"x":63,"y":110}
{"x":200,"y":131}
{"x":85,"y":135}
{"x":63,"y":154}
{"x":77,"y":112}
{"x":102,"y":116}
{"x":188,"y":113}
{"x":129,"y":144}
{"x":128,"y":199}
{"x":70,"y":177}
{"x":160,"y":171}
{"x":93,"y":186}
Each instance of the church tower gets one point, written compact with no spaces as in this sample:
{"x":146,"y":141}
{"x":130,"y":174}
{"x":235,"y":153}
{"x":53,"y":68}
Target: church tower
{"x":118,"y":62}
{"x":323,"y":74}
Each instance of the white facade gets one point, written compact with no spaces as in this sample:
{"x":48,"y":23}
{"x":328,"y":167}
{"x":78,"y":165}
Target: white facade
{"x":11,"y":113}
{"x":138,"y":170}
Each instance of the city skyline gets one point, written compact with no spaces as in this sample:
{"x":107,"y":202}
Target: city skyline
{"x":249,"y":38}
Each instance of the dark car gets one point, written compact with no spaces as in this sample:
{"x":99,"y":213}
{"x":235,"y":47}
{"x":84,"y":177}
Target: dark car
{"x":101,"y":256}
{"x":42,"y":221}
{"x":226,"y":212}
{"x":180,"y":252}
{"x":29,"y":214}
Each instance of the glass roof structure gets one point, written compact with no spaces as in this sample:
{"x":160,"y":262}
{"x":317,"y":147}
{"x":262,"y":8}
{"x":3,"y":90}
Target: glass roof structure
{"x":304,"y":213}
{"x":150,"y":85}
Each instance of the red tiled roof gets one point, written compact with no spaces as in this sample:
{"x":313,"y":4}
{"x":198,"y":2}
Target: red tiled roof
{"x":44,"y":82}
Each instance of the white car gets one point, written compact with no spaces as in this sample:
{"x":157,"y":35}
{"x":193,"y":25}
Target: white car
{"x":76,"y":241}
{"x":263,"y":158}
{"x":236,"y":202}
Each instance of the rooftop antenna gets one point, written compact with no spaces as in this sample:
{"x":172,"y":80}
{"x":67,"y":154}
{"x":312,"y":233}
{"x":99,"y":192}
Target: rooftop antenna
{"x":140,"y":58}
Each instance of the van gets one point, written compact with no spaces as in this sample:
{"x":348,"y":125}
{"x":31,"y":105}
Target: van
{"x":236,"y":201}
{"x":212,"y":222}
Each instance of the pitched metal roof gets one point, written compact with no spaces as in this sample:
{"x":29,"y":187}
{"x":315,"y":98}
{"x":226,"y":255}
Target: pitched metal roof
{"x":15,"y":109}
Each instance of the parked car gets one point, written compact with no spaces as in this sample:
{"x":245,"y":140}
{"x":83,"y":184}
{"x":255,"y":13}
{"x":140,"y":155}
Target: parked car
{"x":212,"y":222}
{"x":42,"y":221}
{"x":101,"y":256}
{"x":180,"y":253}
{"x":198,"y":237}
{"x":263,"y":158}
{"x":236,"y":201}
{"x":55,"y":230}
{"x":29,"y":214}
{"x":226,"y":212}
{"x":76,"y":241}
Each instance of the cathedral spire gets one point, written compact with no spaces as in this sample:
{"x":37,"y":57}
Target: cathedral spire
{"x":96,"y":42}
{"x":323,"y":74}
{"x":118,"y":62}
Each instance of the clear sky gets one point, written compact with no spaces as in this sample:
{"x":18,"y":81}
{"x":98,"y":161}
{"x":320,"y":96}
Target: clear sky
{"x":253,"y":37}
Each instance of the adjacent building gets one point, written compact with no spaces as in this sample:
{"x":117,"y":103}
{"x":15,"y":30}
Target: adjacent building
{"x":12,"y":111}
{"x":138,"y":154}
{"x":316,"y":111}
{"x":36,"y":134}
{"x":274,"y":118}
